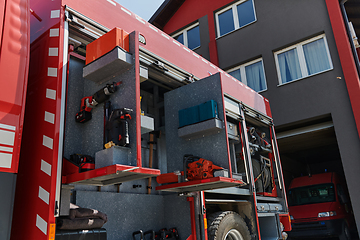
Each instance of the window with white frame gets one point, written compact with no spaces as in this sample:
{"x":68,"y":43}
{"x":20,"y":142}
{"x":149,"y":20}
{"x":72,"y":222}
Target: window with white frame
{"x":252,"y":74}
{"x":189,"y":37}
{"x":235,"y":16}
{"x":303,"y":59}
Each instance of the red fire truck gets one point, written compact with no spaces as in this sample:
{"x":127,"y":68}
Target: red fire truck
{"x":111,"y":103}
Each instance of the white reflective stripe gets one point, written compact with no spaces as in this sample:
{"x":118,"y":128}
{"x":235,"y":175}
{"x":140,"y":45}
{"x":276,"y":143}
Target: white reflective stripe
{"x":45,"y":167}
{"x":7,"y":127}
{"x":165,"y":36}
{"x":7,"y":137}
{"x":140,"y":19}
{"x":48,"y":142}
{"x":188,"y":50}
{"x":53,"y":52}
{"x":49,"y":117}
{"x":204,"y":60}
{"x":6,"y":149}
{"x":196,"y":55}
{"x":153,"y":28}
{"x":54,"y":32}
{"x":176,"y":42}
{"x":41,"y":224}
{"x":50,"y":94}
{"x":52,"y":72}
{"x":55,"y":14}
{"x":126,"y":11}
{"x":113,"y":3}
{"x":44,"y":195}
{"x":5,"y":160}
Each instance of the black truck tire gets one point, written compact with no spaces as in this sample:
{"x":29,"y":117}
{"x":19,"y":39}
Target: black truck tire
{"x":227,"y":225}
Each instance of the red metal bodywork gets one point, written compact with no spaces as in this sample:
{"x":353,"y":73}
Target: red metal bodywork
{"x":38,"y":169}
{"x":14,"y":60}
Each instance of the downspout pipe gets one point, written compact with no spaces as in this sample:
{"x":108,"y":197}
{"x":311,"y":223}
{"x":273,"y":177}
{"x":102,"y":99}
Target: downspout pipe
{"x":353,"y":49}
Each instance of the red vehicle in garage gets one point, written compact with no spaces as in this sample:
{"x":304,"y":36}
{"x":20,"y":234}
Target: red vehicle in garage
{"x":319,"y":207}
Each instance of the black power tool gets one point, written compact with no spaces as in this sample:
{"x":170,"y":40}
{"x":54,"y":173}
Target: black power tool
{"x":118,"y":126}
{"x":87,"y":103}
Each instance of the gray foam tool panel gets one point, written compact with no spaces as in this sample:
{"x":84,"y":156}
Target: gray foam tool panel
{"x":128,"y":212}
{"x":212,"y":147}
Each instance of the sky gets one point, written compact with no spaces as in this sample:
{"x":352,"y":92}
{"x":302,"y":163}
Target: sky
{"x":143,"y":8}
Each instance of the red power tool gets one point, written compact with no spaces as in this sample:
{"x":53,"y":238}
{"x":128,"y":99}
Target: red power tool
{"x":87,"y":103}
{"x":199,"y":168}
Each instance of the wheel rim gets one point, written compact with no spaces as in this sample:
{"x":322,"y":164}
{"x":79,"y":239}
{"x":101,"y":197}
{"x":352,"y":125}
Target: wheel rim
{"x":233,"y":234}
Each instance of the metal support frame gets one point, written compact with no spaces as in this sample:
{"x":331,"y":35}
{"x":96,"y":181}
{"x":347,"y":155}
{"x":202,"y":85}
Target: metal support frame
{"x":278,"y":167}
{"x":246,"y":151}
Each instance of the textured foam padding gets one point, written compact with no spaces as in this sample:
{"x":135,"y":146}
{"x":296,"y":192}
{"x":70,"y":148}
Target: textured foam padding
{"x":209,"y":146}
{"x":129,"y":212}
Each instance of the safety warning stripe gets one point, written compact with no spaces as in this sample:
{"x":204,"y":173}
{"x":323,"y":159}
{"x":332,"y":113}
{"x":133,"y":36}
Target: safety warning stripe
{"x":7,"y":139}
{"x":49,"y":118}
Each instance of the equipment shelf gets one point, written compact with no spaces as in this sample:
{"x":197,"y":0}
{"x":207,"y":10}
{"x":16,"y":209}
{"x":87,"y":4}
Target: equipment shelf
{"x":110,"y":175}
{"x":201,"y":185}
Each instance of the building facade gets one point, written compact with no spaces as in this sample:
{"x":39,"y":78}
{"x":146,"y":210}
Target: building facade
{"x":298,"y":54}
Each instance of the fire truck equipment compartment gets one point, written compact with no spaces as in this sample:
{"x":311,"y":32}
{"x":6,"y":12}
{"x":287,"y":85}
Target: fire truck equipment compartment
{"x":156,"y":211}
{"x":85,"y":138}
{"x":109,"y":65}
{"x":209,"y":143}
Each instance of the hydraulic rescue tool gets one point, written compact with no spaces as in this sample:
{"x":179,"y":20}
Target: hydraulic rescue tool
{"x":87,"y":103}
{"x":118,"y":127}
{"x":197,"y":168}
